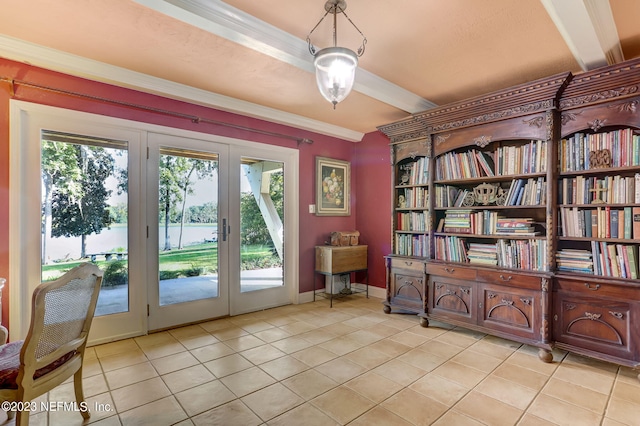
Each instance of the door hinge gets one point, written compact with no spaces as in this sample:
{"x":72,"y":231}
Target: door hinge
{"x":147,"y":231}
{"x":147,"y":310}
{"x":147,"y":153}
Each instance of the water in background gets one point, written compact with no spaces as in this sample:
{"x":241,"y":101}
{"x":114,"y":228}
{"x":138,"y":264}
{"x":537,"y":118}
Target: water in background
{"x":110,"y":240}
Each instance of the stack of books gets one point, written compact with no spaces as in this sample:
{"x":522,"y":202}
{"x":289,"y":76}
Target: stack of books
{"x":516,"y":227}
{"x":457,"y":221}
{"x":485,"y":254}
{"x":574,"y":260}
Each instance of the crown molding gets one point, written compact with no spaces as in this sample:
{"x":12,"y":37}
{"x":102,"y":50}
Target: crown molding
{"x":223,"y":20}
{"x":21,"y":51}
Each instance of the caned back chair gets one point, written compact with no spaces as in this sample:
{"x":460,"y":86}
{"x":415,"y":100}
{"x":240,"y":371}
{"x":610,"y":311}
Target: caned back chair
{"x":53,"y":350}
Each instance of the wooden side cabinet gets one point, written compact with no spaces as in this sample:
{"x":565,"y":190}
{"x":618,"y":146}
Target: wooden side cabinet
{"x":340,"y":260}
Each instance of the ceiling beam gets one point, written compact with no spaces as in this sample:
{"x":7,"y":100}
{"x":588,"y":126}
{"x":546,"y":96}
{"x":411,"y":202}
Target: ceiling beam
{"x":223,"y":20}
{"x":589,"y":30}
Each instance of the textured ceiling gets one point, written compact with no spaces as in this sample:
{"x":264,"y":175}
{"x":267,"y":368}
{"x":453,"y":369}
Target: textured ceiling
{"x":440,"y":51}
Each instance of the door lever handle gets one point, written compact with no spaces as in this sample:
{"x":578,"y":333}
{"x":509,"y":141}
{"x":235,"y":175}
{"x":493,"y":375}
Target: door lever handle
{"x":224,"y":229}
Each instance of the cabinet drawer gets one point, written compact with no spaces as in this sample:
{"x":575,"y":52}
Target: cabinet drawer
{"x":453,"y":271}
{"x":407,"y":264}
{"x":509,"y":279}
{"x":598,"y":288}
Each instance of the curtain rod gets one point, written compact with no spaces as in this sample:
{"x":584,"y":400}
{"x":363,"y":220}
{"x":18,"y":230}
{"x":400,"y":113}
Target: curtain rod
{"x":192,"y":118}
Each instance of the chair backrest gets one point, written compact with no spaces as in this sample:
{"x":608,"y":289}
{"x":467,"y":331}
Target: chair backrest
{"x":61,"y":316}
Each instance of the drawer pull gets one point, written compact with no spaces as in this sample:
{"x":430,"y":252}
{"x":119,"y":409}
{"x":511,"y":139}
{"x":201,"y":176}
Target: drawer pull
{"x":592,"y":287}
{"x":503,"y":278}
{"x":450,"y":270}
{"x":408,"y":263}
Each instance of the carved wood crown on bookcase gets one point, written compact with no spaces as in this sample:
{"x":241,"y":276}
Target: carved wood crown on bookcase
{"x":537,"y":96}
{"x":604,"y":85}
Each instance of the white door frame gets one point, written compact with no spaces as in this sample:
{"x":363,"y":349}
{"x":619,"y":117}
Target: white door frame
{"x":26,"y":120}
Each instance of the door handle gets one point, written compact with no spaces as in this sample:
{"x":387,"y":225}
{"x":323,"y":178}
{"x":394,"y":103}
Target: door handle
{"x":224,"y":229}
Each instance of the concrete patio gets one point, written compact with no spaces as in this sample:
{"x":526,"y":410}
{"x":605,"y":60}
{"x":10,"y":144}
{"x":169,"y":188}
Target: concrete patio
{"x":179,"y":290}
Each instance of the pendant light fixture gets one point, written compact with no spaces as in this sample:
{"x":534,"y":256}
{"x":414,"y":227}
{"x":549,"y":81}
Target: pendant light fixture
{"x":335,"y":66}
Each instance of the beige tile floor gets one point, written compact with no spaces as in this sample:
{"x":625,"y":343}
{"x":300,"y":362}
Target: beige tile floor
{"x":312,"y":365}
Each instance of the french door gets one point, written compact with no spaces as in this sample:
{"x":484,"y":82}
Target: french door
{"x":216,"y":223}
{"x":187,"y":217}
{"x":186,"y":226}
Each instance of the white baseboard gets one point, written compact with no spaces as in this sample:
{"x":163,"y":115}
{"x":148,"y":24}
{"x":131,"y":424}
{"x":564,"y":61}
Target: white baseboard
{"x":376,"y":292}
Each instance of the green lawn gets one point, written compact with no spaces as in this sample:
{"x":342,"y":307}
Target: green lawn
{"x":192,"y":260}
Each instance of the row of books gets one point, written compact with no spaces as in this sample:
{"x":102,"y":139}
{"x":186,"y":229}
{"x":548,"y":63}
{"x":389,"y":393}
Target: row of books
{"x":412,"y":245}
{"x":450,"y":249}
{"x":412,"y":198}
{"x":464,"y":165}
{"x":615,"y":260}
{"x":521,"y":159}
{"x":523,"y":254}
{"x":518,"y":254}
{"x":600,"y":222}
{"x":449,"y":196}
{"x":604,"y":259}
{"x":413,"y":221}
{"x":574,"y":153}
{"x":527,"y":192}
{"x":608,"y":189}
{"x":417,"y":171}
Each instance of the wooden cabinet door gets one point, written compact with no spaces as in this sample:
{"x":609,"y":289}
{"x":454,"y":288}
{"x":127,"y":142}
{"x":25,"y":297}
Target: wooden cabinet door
{"x":407,"y":289}
{"x":451,"y":298}
{"x":595,"y":324}
{"x":510,"y":310}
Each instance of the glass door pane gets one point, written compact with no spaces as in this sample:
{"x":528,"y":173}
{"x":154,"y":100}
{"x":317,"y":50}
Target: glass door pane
{"x":188,"y":226}
{"x":85,"y":212}
{"x":261,"y":224}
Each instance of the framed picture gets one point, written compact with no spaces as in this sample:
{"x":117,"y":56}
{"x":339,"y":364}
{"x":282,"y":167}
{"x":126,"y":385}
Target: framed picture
{"x":333,"y":183}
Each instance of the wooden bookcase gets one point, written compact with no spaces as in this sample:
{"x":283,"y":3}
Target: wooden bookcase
{"x":554,"y":264}
{"x":481,"y":151}
{"x":597,"y":297}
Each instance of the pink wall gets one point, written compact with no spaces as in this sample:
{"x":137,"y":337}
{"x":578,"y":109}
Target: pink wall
{"x":370,"y":171}
{"x":373,"y":189}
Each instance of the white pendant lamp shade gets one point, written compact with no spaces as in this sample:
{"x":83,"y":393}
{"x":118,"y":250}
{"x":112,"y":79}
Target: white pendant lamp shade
{"x":335,"y":72}
{"x":335,"y":66}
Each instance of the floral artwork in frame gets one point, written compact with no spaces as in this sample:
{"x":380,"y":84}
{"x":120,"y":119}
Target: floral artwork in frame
{"x":332,"y":187}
